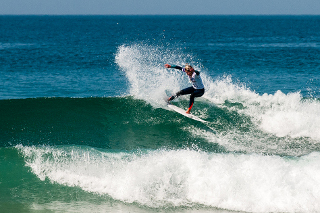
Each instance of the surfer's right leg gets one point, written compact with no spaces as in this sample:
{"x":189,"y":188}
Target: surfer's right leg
{"x":196,"y":93}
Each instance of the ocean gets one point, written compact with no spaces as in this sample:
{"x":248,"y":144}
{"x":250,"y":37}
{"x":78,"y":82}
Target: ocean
{"x":84,"y":125}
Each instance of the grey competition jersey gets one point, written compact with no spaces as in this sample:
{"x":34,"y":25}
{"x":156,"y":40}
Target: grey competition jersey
{"x":196,"y":80}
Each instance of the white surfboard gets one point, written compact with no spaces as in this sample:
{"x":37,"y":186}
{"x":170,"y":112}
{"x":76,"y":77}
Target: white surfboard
{"x":183,"y":112}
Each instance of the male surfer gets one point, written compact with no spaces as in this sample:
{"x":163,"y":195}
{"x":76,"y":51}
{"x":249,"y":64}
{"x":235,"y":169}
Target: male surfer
{"x":197,"y":89}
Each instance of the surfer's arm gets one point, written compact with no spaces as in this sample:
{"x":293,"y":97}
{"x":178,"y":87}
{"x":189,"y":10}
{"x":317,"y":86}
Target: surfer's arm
{"x":173,"y":66}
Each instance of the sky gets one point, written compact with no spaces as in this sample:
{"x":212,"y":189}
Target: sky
{"x":160,"y":7}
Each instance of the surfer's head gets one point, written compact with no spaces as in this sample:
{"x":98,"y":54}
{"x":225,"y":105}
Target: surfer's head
{"x":189,"y":69}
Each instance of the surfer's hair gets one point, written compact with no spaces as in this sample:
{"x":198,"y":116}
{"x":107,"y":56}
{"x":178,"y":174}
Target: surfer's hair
{"x":187,"y":67}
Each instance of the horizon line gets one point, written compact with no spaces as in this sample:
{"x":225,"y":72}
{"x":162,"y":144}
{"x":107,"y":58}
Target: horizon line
{"x":30,"y":14}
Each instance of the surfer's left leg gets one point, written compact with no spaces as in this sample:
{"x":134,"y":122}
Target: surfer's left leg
{"x":185,"y":91}
{"x":196,"y":93}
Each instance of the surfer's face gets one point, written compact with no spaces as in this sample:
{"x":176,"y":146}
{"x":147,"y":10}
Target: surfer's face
{"x":189,"y":71}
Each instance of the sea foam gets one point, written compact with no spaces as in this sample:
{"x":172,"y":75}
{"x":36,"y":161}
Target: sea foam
{"x":149,"y":80}
{"x":279,"y":114}
{"x":177,"y":178}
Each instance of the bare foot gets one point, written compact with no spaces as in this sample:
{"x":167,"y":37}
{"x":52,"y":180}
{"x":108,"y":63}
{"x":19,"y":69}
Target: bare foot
{"x":188,"y":111}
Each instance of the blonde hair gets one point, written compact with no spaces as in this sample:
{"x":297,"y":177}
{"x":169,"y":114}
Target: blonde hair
{"x":187,"y":67}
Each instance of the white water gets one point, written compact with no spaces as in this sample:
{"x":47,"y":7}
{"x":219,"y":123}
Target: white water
{"x":278,"y":114}
{"x":149,"y":80}
{"x":282,"y":124}
{"x":252,"y":183}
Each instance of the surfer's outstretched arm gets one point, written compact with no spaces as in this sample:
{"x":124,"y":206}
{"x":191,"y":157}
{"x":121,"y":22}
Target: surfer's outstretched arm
{"x":173,"y":66}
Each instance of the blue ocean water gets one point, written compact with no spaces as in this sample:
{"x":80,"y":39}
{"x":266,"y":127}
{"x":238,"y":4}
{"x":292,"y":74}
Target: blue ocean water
{"x":84,"y":125}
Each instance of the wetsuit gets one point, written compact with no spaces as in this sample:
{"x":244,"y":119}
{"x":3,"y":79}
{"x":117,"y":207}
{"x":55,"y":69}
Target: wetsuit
{"x":197,"y":89}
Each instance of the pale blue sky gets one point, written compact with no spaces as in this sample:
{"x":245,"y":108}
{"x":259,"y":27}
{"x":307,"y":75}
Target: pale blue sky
{"x":155,"y":7}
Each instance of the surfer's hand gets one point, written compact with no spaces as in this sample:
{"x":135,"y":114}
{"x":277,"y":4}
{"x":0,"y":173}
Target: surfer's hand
{"x":167,"y":66}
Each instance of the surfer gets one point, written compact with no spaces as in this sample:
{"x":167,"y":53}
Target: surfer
{"x":197,"y":89}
